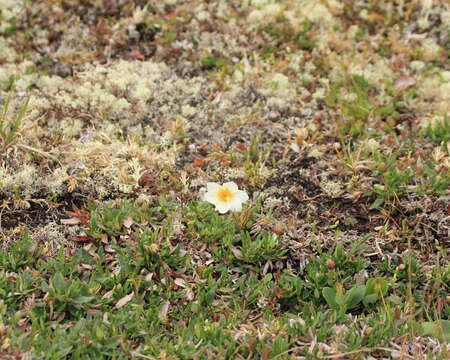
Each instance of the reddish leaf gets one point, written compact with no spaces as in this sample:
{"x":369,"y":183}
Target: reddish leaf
{"x":265,"y":353}
{"x":82,"y":214}
{"x":170,"y":15}
{"x":404,"y":82}
{"x":199,"y":162}
{"x":137,"y":54}
{"x":23,"y":325}
{"x":81,"y":238}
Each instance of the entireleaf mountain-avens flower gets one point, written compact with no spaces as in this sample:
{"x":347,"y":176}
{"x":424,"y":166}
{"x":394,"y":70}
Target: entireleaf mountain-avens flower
{"x":225,"y":197}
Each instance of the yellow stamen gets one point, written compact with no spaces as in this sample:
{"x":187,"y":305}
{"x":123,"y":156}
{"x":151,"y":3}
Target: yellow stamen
{"x":224,"y":194}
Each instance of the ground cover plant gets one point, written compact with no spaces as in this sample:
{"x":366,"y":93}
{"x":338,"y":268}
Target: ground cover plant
{"x":120,"y":121}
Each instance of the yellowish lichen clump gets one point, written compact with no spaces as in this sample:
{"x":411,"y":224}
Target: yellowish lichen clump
{"x":9,"y":9}
{"x":295,"y":11}
{"x":279,"y":91}
{"x":126,"y":95}
{"x":435,"y":87}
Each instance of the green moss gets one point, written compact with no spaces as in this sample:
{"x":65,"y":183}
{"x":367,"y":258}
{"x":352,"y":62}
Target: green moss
{"x":211,"y":62}
{"x":354,"y":114}
{"x":440,"y":131}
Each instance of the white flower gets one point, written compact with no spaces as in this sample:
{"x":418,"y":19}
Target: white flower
{"x":225,"y":197}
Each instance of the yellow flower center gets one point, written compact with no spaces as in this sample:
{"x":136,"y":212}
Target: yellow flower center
{"x":224,"y":194}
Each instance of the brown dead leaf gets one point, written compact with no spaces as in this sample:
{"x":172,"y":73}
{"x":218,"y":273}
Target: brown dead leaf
{"x":236,"y":252}
{"x":71,"y":221}
{"x":71,"y":184}
{"x":125,"y":300}
{"x":128,"y":222}
{"x":150,"y":182}
{"x":180,"y":282}
{"x":102,"y":31}
{"x":104,"y":239}
{"x":60,"y":317}
{"x":94,"y":312}
{"x":108,"y":294}
{"x":163,"y":312}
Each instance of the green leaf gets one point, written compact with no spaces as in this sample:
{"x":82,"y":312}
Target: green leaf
{"x":340,"y":297}
{"x":354,"y":296}
{"x":375,"y":287}
{"x":330,"y":295}
{"x":370,"y":299}
{"x":83,"y":299}
{"x":377,"y":203}
{"x":59,"y":283}
{"x":439,"y":329}
{"x":370,"y":286}
{"x":380,"y":286}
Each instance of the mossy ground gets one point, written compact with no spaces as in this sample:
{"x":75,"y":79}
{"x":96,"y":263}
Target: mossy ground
{"x":332,"y":115}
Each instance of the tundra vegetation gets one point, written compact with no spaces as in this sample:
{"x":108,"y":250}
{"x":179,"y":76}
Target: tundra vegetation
{"x":333,"y":116}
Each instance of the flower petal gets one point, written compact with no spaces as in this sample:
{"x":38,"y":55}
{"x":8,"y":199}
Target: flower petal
{"x":231,"y":185}
{"x":212,"y":186}
{"x":222,"y":208}
{"x":242,"y":196}
{"x":232,"y":201}
{"x":210,"y":197}
{"x":235,"y":205}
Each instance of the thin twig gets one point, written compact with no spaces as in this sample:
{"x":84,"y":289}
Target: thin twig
{"x":43,"y":153}
{"x":142,"y":355}
{"x":336,"y":356}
